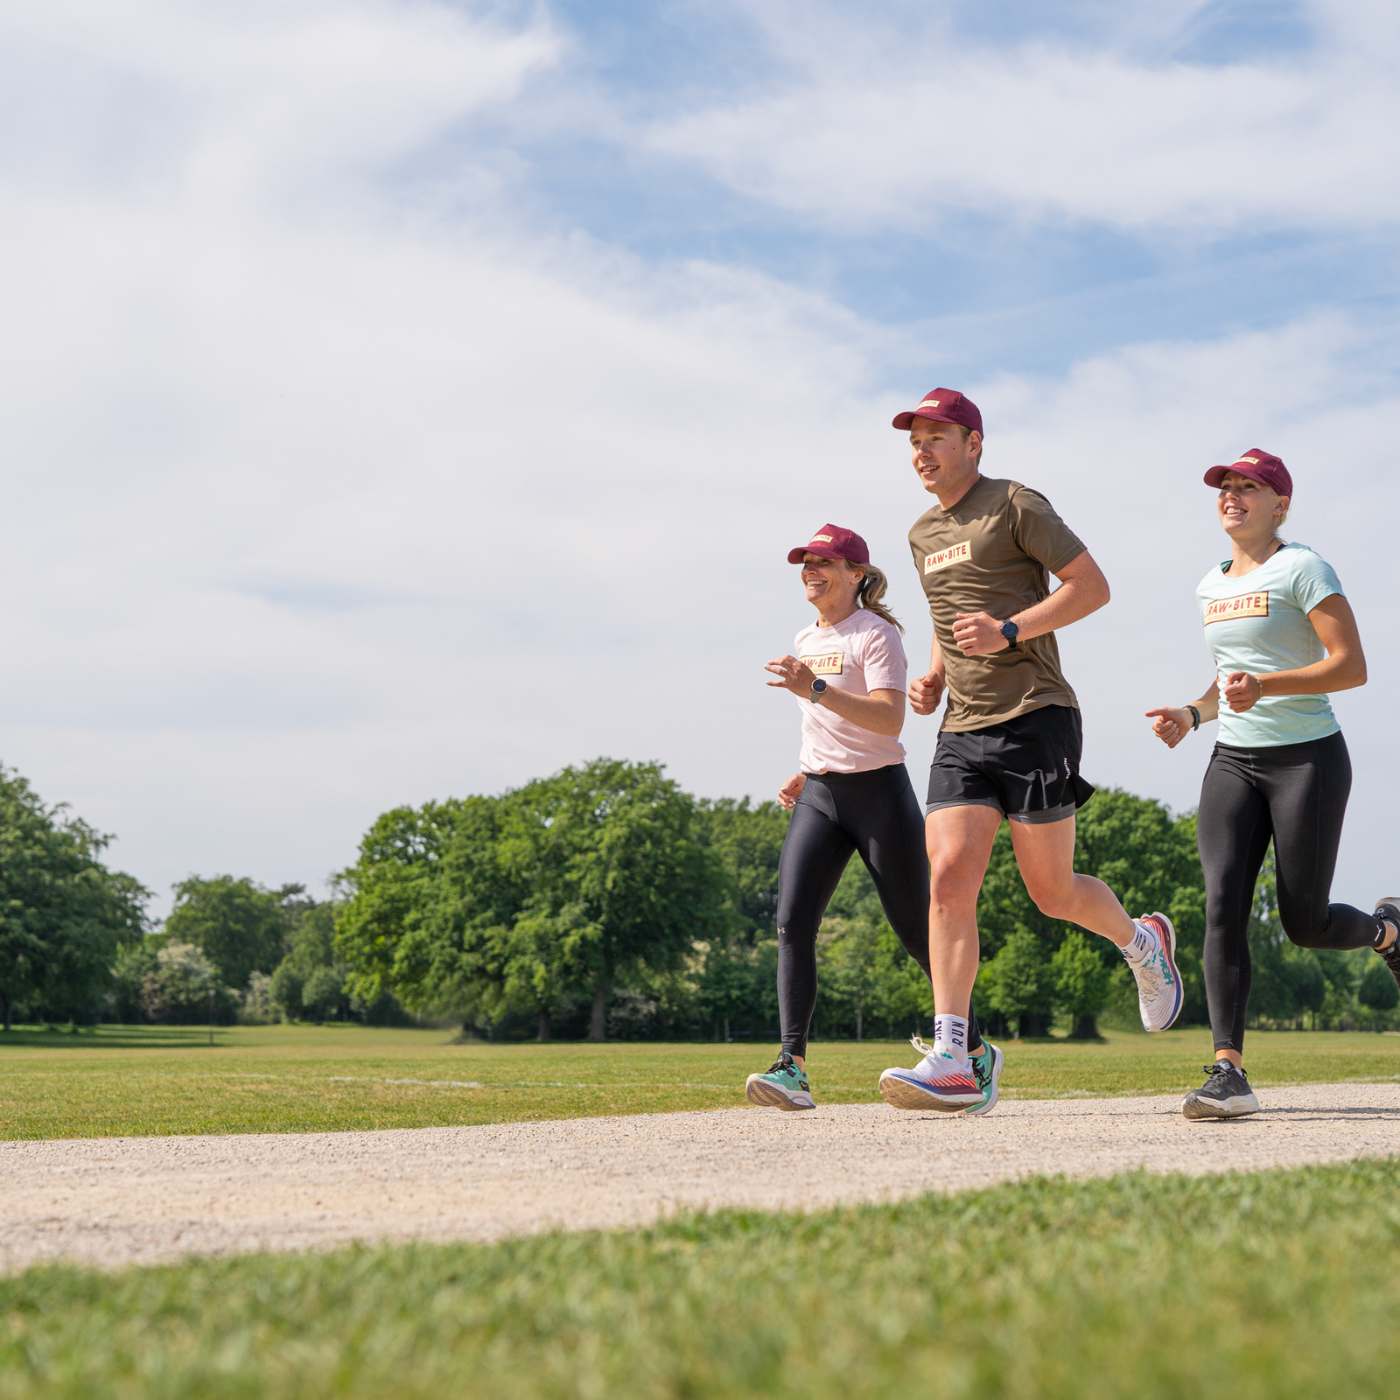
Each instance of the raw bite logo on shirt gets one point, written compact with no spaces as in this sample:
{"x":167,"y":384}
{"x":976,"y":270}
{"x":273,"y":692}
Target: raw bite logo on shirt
{"x":829,"y":665}
{"x":1241,"y":605}
{"x":954,"y":554}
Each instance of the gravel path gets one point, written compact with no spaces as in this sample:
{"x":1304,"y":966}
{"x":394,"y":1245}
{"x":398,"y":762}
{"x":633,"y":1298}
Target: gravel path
{"x":119,"y":1201}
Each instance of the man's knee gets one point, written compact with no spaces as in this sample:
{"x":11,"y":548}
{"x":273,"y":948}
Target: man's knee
{"x":950,"y":886}
{"x":1053,"y":895}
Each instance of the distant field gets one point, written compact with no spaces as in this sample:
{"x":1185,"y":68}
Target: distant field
{"x":138,"y":1081}
{"x":1247,"y":1287}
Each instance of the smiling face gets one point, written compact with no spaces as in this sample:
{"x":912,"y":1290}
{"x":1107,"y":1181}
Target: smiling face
{"x":830,"y":584}
{"x":945,"y":456}
{"x":1249,"y":511}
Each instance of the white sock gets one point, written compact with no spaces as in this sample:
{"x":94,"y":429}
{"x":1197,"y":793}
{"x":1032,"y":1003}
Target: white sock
{"x":950,"y":1036}
{"x":1141,"y":943}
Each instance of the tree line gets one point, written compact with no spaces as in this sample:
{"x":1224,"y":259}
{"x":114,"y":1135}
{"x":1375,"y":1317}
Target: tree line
{"x":602,"y":901}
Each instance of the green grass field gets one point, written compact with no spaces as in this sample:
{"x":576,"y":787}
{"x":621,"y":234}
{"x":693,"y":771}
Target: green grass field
{"x":1252,"y":1287}
{"x":141,"y":1081}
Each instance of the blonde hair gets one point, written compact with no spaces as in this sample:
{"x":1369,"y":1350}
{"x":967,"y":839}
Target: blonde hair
{"x":871,"y":589}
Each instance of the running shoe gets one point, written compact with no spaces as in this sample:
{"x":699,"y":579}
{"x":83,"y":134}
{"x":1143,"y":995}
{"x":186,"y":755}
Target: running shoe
{"x":938,"y":1081}
{"x":986,"y":1070}
{"x":1158,"y":981}
{"x":783,"y":1084}
{"x":1389,"y":910}
{"x":1225,"y":1094}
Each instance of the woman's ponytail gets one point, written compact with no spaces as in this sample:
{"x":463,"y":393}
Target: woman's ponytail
{"x":872,"y":588}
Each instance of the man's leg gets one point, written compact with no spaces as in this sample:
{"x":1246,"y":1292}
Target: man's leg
{"x":1045,"y":855}
{"x":959,"y":846}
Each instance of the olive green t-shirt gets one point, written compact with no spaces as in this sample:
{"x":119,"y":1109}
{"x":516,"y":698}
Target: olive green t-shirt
{"x":994,"y":552}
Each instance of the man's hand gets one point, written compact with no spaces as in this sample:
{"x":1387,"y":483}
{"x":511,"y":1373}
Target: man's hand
{"x":925,"y":692}
{"x":791,"y":791}
{"x":978,"y":634}
{"x":793,"y":675}
{"x":1241,"y":691}
{"x":1170,"y":724}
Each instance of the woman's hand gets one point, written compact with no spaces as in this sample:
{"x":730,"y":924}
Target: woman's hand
{"x":1241,"y":691}
{"x":793,"y":675}
{"x":1170,"y":725}
{"x":791,"y":791}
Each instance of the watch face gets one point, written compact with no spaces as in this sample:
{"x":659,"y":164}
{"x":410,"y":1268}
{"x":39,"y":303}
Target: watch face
{"x":818,"y":686}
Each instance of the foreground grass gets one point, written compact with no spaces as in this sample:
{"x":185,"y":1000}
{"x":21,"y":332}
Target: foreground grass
{"x":1247,"y":1287}
{"x":149,"y":1081}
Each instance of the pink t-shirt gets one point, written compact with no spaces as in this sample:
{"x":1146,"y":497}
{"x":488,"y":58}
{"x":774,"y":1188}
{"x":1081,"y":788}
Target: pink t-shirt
{"x":861,"y":654}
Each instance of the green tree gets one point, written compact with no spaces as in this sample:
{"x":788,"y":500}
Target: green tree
{"x":619,"y":848}
{"x":1378,"y":991}
{"x":63,"y":914}
{"x":322,"y":994}
{"x":1081,"y":984}
{"x":423,"y":905}
{"x":239,"y":926}
{"x":1018,"y":983}
{"x":184,"y":988}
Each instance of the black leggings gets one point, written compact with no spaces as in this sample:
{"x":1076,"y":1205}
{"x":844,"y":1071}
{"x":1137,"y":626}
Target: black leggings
{"x":877,"y":814}
{"x":1296,"y":794}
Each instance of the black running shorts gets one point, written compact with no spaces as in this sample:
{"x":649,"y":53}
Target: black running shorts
{"x":1027,"y":768}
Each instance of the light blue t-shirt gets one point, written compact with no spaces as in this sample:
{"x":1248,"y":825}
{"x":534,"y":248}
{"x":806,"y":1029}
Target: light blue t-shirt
{"x":1259,"y":623}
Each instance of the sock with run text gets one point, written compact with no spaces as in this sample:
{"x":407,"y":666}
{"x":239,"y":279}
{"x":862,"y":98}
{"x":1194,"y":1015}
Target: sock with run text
{"x":1141,"y":943}
{"x":950,"y":1035}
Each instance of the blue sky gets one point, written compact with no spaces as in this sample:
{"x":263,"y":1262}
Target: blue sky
{"x":408,"y":398}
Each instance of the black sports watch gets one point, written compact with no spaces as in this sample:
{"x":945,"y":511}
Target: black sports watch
{"x":818,"y":690}
{"x":1010,"y":631}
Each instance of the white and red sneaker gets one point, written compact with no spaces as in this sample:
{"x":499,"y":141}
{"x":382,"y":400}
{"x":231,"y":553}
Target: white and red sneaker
{"x":1160,"y":994}
{"x":939,"y":1082}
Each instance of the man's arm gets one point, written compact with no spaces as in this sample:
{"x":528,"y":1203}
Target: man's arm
{"x":926,"y":691}
{"x":1083,"y":589}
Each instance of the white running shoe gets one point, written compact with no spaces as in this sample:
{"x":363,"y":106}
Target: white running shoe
{"x":1158,"y":979}
{"x":938,"y":1081}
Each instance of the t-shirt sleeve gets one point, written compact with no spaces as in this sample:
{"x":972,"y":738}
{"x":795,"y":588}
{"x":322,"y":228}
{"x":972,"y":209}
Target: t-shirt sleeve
{"x":1314,"y":580}
{"x":1039,"y":532}
{"x":882,"y":657}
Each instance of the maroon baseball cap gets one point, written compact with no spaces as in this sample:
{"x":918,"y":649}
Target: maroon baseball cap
{"x":943,"y":406}
{"x":833,"y":542}
{"x":1259,"y":466}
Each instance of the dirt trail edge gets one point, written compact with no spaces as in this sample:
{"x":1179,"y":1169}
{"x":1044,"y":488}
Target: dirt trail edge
{"x":114,"y":1202}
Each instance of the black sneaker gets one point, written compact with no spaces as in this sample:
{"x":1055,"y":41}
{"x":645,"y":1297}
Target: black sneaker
{"x":1389,"y":910}
{"x":1225,"y":1094}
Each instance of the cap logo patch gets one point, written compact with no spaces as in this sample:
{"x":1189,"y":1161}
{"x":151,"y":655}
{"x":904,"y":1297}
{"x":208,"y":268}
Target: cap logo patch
{"x":929,"y":403}
{"x":945,"y":558}
{"x":821,"y":539}
{"x":828,"y":665}
{"x":1253,"y":461}
{"x":1241,"y":605}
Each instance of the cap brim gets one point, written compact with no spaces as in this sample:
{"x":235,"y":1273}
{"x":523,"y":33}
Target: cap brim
{"x":1217,"y":474}
{"x":905,"y":421}
{"x":795,"y":555}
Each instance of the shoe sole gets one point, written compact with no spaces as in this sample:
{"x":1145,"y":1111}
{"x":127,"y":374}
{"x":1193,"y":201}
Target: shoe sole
{"x":900,"y":1093}
{"x":977,"y":1110}
{"x":1212,"y":1110}
{"x":767,"y":1095}
{"x":1176,"y":976}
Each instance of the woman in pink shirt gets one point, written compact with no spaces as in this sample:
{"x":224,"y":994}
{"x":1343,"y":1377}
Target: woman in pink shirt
{"x":852,"y":793}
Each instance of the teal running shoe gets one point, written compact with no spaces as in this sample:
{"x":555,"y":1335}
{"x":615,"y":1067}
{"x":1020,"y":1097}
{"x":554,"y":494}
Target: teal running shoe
{"x":782,"y":1085}
{"x":986,"y":1071}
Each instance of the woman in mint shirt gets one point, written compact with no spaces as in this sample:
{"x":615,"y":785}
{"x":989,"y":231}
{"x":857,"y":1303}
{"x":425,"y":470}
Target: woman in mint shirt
{"x":1282,"y":635}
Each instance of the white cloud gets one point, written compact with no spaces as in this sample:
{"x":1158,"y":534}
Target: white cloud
{"x":878,"y":123}
{"x":322,"y":500}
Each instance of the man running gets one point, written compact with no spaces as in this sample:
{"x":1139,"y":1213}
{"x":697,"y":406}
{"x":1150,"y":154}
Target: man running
{"x":1011,"y":737}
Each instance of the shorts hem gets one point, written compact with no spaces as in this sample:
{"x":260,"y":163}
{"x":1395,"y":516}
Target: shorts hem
{"x":931,"y":807}
{"x":1045,"y":817}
